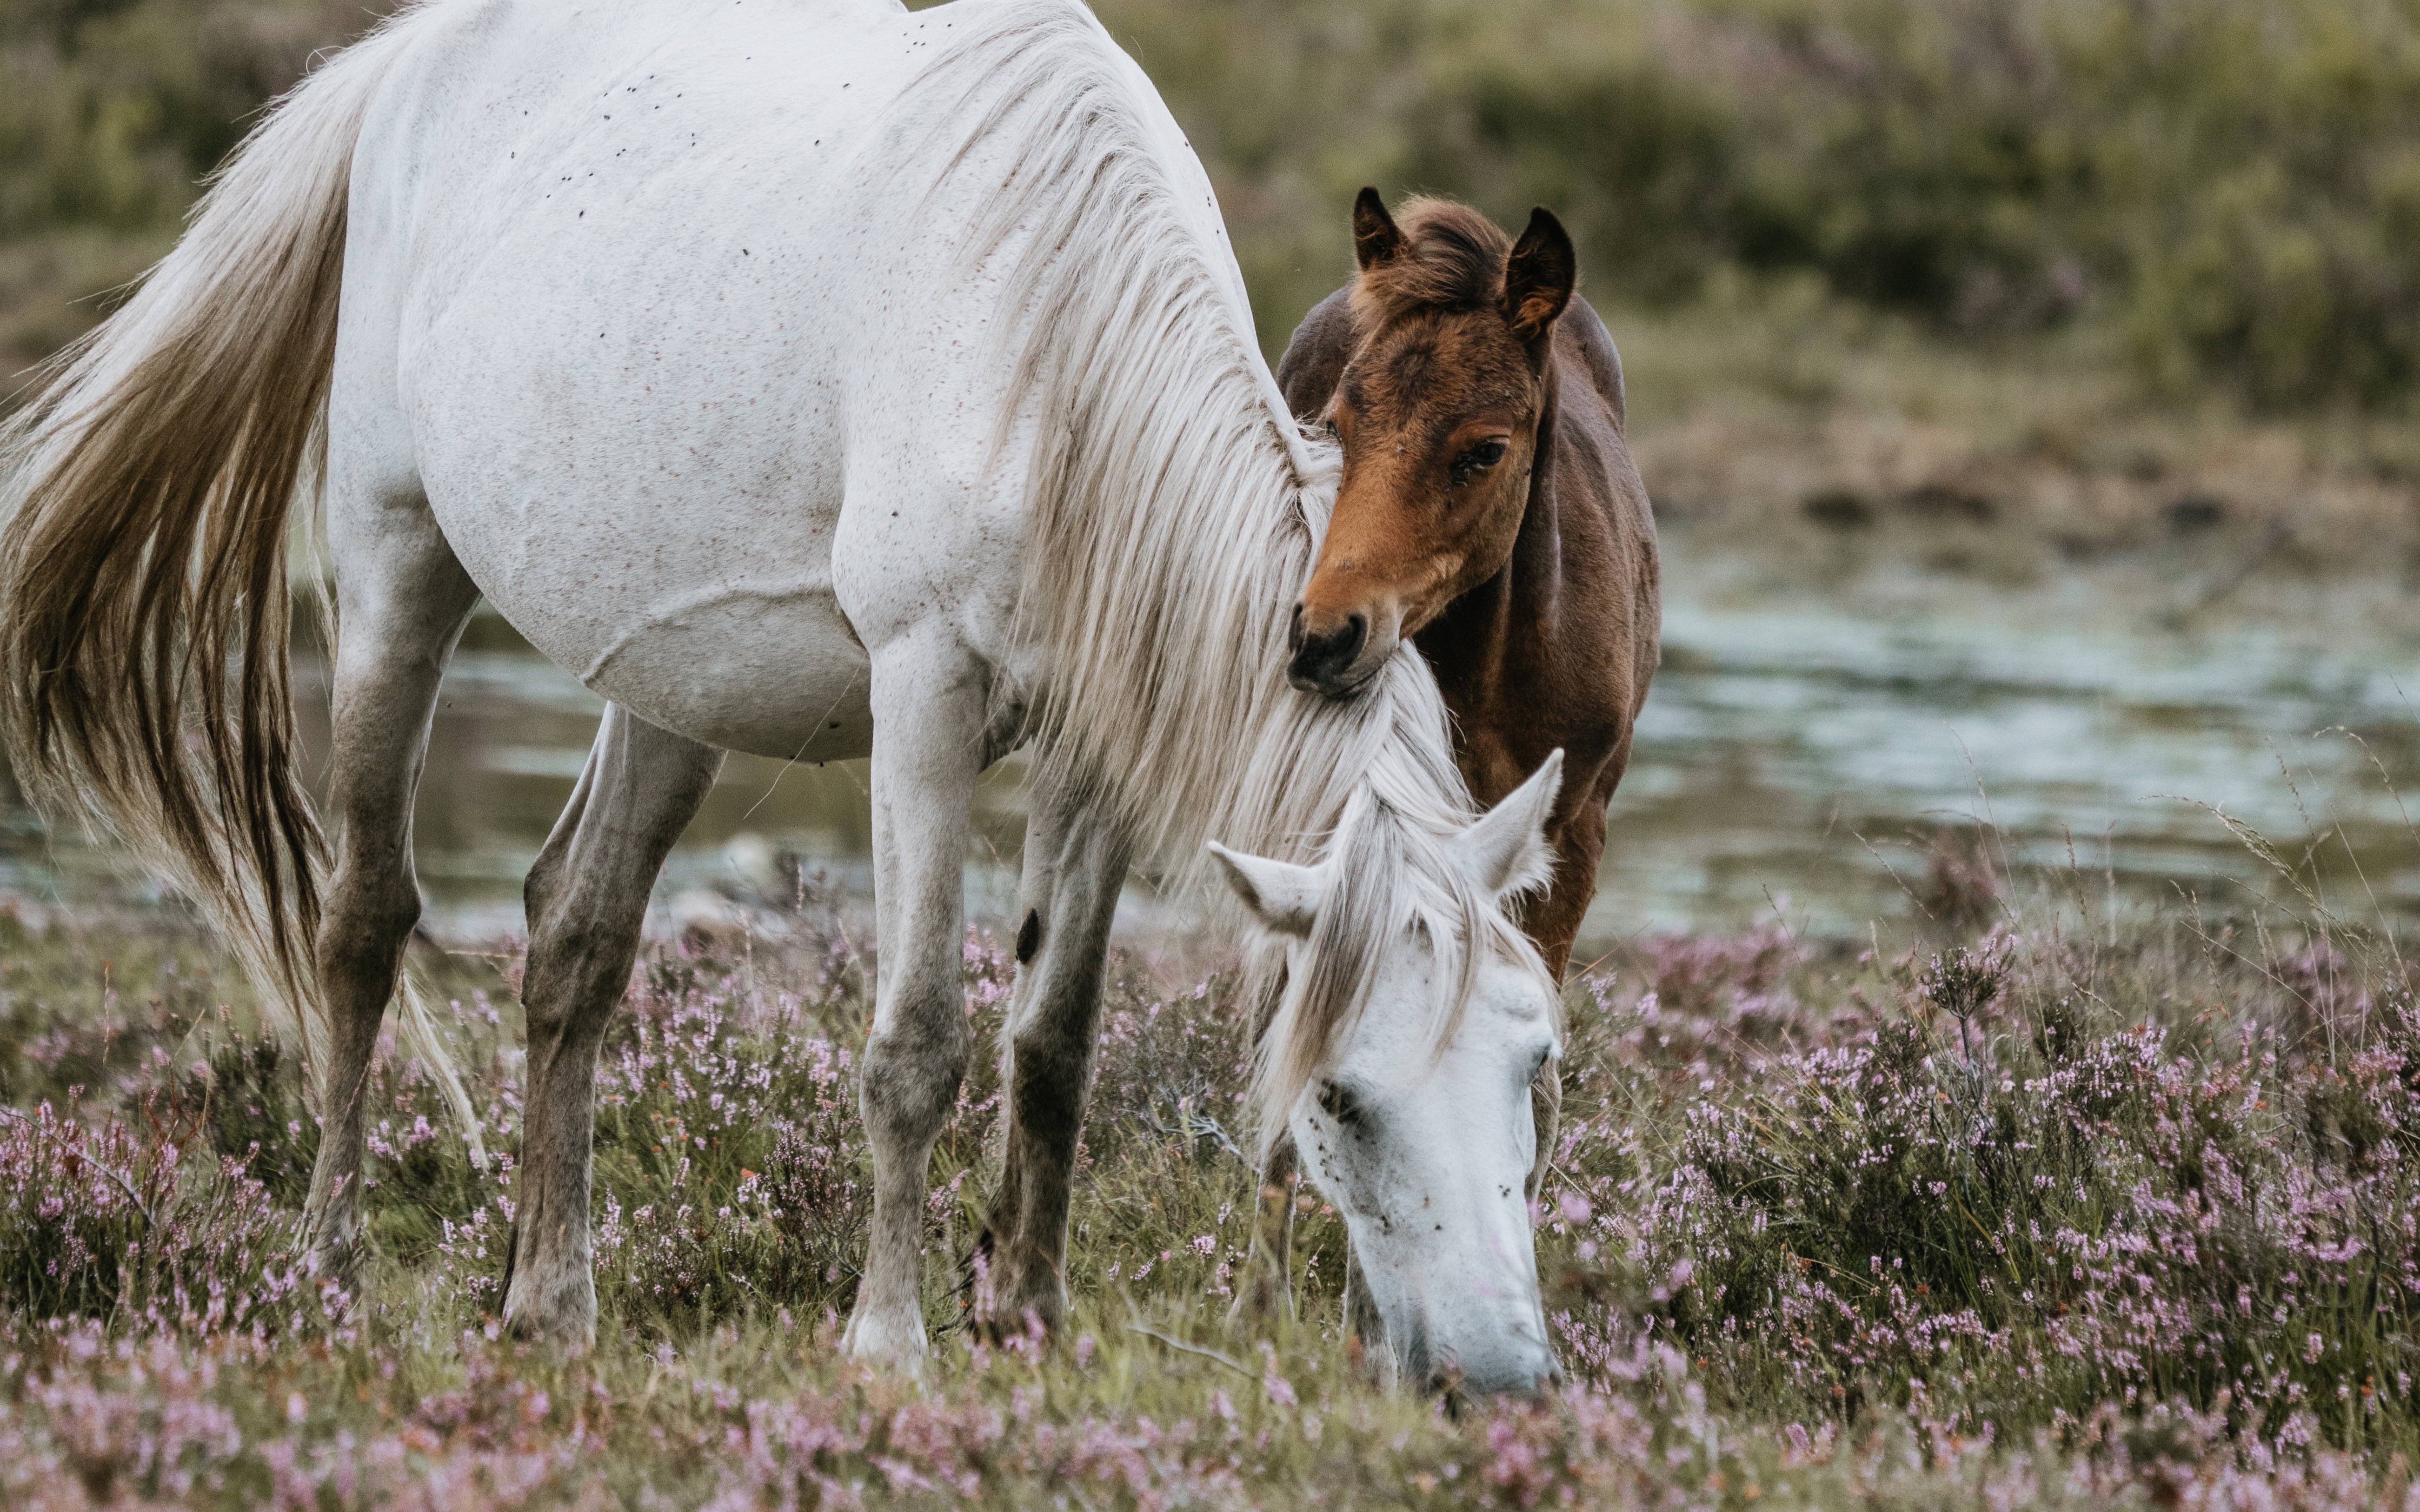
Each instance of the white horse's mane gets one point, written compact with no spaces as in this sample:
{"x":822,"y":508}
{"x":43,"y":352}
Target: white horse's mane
{"x":1176,"y":508}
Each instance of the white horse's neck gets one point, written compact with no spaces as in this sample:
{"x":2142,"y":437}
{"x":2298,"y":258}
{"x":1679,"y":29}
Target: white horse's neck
{"x":1175,"y":503}
{"x":1174,"y":508}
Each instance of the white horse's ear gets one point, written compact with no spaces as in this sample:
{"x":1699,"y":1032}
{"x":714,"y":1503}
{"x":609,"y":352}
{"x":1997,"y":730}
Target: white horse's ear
{"x":1507,"y":850}
{"x":1282,"y":896}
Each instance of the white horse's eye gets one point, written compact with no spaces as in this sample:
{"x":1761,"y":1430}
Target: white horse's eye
{"x":1337,"y":1101}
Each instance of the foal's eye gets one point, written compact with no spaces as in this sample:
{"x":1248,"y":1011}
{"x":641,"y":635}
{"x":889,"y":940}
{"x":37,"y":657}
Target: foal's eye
{"x":1338,"y":1101}
{"x":1477,"y":460}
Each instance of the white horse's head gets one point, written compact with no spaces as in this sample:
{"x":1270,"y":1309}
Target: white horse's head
{"x":1423,"y":1137}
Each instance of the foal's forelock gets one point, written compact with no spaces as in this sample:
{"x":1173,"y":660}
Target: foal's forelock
{"x":1452,"y":259}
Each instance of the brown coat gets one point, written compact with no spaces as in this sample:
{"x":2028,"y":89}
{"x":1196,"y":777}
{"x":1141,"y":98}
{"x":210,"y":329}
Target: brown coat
{"x":1554,"y":647}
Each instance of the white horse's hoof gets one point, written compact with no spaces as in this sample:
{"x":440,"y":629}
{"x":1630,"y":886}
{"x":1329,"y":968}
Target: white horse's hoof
{"x":331,"y":1249}
{"x":878,"y":1339}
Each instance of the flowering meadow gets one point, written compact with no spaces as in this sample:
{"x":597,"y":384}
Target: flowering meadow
{"x":2043,"y":1216}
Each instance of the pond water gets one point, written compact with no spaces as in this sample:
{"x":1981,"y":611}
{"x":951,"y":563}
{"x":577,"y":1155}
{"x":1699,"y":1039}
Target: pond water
{"x":1803,"y":756}
{"x":1806,"y":757}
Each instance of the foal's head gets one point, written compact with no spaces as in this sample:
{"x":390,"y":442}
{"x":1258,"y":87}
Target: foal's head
{"x":1414,"y":1020}
{"x":1438,"y":411}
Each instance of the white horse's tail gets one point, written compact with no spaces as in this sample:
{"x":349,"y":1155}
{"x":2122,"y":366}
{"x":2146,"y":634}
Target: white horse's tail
{"x":144,"y":601}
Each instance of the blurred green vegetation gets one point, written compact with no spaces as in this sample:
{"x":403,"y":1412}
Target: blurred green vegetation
{"x":110,"y":111}
{"x":2231,"y":188}
{"x":2228,"y":189}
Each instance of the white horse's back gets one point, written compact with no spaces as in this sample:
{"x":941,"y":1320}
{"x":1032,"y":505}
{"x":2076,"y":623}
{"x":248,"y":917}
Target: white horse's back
{"x":654,"y":316}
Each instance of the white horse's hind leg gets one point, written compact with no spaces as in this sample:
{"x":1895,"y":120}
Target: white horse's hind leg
{"x":587,"y":898}
{"x":403,"y":600}
{"x":928,"y":749}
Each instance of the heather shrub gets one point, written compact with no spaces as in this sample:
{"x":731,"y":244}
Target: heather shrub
{"x":99,"y":1220}
{"x":729,"y":1162}
{"x":2040,"y":1204}
{"x":96,"y":1010}
{"x":1994,"y":1203}
{"x":743,"y":1138}
{"x":254,"y":1110}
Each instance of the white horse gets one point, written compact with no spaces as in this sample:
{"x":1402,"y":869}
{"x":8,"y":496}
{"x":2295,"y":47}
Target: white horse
{"x":816,"y":380}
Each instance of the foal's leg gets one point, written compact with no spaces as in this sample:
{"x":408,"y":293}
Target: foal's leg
{"x":928,"y":704}
{"x":1553,"y":921}
{"x":403,"y":599}
{"x":1267,"y":1288}
{"x":1552,"y":918}
{"x":588,"y":897}
{"x":1075,"y":865}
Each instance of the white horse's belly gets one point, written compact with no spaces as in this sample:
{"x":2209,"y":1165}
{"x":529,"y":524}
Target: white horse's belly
{"x":697,"y":592}
{"x":675,"y":553}
{"x":621,"y":365}
{"x":754,"y":667}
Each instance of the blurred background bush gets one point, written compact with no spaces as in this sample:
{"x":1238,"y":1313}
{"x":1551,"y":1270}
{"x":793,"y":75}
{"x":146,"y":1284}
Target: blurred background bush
{"x":2230,"y":189}
{"x":110,"y":111}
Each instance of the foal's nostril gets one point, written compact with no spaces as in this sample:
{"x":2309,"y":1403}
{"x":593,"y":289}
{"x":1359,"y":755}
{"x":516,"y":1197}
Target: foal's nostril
{"x":1294,"y":632}
{"x":1321,"y":662}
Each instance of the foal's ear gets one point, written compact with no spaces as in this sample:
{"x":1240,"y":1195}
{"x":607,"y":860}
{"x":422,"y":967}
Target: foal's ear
{"x":1539,"y":278}
{"x":1282,"y":896}
{"x":1375,"y":238}
{"x":1507,"y":850}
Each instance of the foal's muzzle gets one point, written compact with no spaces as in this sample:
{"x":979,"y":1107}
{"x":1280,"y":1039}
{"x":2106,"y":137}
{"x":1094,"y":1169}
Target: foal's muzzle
{"x":1325,"y":662}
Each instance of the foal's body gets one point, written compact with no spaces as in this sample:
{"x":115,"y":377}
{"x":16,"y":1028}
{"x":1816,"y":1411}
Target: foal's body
{"x":1554,"y":649}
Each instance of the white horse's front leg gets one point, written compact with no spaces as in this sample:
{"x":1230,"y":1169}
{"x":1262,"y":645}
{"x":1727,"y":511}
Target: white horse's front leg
{"x":928,"y":700}
{"x":1075,"y":863}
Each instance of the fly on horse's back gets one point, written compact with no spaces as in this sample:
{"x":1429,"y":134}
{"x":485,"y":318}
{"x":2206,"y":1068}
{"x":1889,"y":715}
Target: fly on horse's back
{"x":815,"y":380}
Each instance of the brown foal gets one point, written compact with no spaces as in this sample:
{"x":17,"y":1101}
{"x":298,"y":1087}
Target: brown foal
{"x":1490,"y":512}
